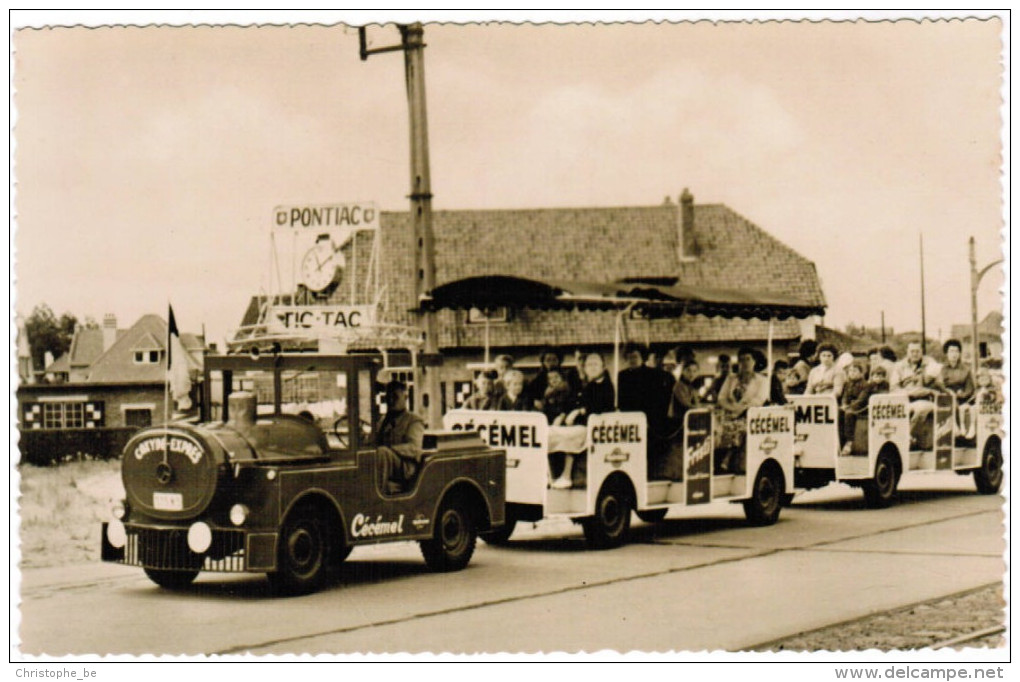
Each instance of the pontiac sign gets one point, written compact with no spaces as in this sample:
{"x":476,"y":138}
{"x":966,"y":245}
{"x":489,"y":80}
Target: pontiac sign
{"x":352,"y":216}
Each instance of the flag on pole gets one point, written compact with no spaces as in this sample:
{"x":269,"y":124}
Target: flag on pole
{"x":177,"y":373}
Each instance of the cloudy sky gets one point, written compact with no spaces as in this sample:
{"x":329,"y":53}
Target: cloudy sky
{"x":148,"y":160}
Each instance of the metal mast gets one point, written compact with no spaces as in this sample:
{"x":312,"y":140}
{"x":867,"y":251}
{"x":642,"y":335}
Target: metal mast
{"x":413,"y":46}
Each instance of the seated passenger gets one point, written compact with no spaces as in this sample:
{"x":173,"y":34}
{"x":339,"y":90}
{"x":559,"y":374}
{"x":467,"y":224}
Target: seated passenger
{"x":826,"y":378}
{"x":647,"y":389}
{"x":558,"y":400}
{"x":987,"y":390}
{"x":796,"y":380}
{"x":743,"y":389}
{"x":855,"y":388}
{"x":956,"y":378}
{"x":483,"y":398}
{"x":504,"y":363}
{"x":513,"y":398}
{"x":685,"y":396}
{"x":597,"y":395}
{"x":399,"y":440}
{"x":914,"y":376}
{"x":551,"y":360}
{"x":780,"y":373}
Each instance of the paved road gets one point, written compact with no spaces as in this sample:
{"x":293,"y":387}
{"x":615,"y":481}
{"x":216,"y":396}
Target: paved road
{"x":688,"y":584}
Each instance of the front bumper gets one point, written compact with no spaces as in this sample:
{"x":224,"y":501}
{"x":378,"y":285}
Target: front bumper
{"x":166,"y":548}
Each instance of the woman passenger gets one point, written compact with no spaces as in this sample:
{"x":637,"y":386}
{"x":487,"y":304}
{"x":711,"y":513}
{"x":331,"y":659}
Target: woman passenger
{"x":597,"y":395}
{"x":956,"y":379}
{"x":826,"y":378}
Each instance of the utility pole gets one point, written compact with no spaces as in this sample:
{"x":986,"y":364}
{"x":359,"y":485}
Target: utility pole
{"x":413,"y":46}
{"x":975,"y":280}
{"x":883,"y":327}
{"x":924,"y":335}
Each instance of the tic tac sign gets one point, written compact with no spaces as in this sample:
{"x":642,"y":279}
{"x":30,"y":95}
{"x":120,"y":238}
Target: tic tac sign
{"x":327,"y":217}
{"x":322,"y":320}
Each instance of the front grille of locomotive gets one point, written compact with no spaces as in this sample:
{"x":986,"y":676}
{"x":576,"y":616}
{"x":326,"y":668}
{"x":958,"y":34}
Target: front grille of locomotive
{"x":167,"y":549}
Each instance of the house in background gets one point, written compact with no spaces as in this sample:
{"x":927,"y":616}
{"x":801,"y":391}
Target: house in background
{"x":115,"y":384}
{"x":990,"y":331}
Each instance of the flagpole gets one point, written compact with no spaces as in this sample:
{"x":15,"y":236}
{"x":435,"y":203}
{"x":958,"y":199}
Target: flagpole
{"x":166,"y":385}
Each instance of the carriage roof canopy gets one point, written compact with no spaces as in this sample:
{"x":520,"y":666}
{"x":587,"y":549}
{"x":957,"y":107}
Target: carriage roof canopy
{"x":654,"y":297}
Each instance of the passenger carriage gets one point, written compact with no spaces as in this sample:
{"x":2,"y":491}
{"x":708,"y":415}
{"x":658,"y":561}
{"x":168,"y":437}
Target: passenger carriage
{"x":883,"y":451}
{"x":614,"y":447}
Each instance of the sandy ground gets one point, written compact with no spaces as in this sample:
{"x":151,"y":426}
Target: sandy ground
{"x":912,"y":627}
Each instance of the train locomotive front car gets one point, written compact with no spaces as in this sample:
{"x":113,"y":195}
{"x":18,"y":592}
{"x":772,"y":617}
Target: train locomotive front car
{"x":281,"y":483}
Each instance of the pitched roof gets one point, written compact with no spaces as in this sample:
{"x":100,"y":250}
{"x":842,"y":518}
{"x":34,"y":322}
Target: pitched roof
{"x":990,"y":327}
{"x":86,"y":346}
{"x":594,"y":245}
{"x":117,"y":363}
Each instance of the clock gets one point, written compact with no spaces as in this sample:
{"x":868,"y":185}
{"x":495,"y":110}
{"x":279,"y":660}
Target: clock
{"x":321,"y":265}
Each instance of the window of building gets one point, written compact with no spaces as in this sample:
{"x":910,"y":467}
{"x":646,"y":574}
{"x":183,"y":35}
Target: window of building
{"x":493,"y":315}
{"x":57,"y":414}
{"x":140,"y":417}
{"x":147,"y":357}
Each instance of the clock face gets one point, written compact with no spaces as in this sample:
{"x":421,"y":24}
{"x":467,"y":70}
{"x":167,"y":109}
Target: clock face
{"x":321,"y":265}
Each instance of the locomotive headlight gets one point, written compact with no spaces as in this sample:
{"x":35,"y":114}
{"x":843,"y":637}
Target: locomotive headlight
{"x":116,"y":535}
{"x":199,"y":537}
{"x":238,"y":514}
{"x":118,"y":510}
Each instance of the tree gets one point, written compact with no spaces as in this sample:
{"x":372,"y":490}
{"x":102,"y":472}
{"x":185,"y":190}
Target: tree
{"x":47,"y":333}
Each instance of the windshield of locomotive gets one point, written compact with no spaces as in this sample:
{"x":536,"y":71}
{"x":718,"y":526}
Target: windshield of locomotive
{"x":317,"y":395}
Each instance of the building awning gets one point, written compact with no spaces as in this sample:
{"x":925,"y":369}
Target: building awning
{"x":651,"y":297}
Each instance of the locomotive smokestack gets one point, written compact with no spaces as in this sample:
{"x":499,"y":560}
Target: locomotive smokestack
{"x":242,"y":407}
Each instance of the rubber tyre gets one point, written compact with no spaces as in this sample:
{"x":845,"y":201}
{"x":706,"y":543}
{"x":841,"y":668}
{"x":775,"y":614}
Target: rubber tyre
{"x":766,"y":501}
{"x":453,"y":540}
{"x":610,"y":525}
{"x":880,"y":490}
{"x":171,"y":580}
{"x":652,"y":515}
{"x":988,"y":478}
{"x":500,"y":536}
{"x":302,"y":554}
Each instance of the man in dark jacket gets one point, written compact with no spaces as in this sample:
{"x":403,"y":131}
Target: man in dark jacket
{"x":646,"y":389}
{"x":399,"y":440}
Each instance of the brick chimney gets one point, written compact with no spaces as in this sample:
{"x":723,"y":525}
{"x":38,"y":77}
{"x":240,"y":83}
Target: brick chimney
{"x":109,"y":330}
{"x":688,"y":245}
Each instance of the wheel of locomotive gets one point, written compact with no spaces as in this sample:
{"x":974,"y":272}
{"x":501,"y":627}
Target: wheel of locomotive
{"x":988,"y":478}
{"x":762,"y":508}
{"x":303,"y":550}
{"x":610,"y":525}
{"x":453,"y":540}
{"x":500,"y":536}
{"x":651,"y":515}
{"x":171,"y":580}
{"x":880,"y":490}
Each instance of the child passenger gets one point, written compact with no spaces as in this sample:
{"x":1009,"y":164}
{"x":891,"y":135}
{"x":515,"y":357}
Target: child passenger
{"x":850,"y":410}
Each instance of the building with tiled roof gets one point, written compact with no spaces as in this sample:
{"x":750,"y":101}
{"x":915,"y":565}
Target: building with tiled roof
{"x":990,"y":331}
{"x":708,"y":245}
{"x":95,"y":407}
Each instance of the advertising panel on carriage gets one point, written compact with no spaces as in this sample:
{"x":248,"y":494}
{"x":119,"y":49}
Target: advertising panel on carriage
{"x":816,"y":436}
{"x":618,"y":441}
{"x":698,"y":443}
{"x":888,"y":422}
{"x":770,"y":433}
{"x":524,"y":436}
{"x":945,"y":411}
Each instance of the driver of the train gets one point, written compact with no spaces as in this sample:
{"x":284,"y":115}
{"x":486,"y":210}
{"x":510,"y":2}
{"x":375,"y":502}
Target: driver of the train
{"x":399,"y":440}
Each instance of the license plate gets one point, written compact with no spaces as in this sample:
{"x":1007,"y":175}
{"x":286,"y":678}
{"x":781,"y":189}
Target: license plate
{"x":168,"y":501}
